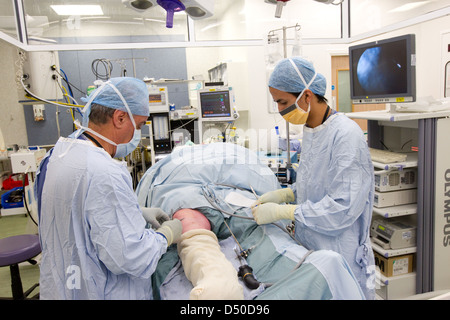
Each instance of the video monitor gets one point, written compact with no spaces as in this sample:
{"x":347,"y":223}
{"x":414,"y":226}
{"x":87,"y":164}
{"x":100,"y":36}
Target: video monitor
{"x":383,"y":71}
{"x":215,"y":105}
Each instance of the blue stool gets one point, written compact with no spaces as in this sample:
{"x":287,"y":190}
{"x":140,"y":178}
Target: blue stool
{"x":14,"y":250}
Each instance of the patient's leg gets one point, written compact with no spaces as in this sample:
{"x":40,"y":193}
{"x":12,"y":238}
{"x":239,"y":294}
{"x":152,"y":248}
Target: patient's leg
{"x":211,"y":274}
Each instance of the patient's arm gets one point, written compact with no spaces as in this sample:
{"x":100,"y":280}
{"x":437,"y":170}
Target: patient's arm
{"x":211,"y":274}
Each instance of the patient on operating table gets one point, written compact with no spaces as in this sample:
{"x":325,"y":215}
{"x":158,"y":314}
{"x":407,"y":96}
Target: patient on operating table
{"x":211,"y":274}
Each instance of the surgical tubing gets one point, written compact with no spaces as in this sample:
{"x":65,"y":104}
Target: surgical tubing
{"x":298,"y":265}
{"x":208,"y":198}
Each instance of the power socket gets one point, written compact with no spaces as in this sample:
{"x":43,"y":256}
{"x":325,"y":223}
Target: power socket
{"x":38,"y":111}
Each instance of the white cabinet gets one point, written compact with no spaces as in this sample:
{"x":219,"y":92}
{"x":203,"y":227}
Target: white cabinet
{"x":395,"y":202}
{"x":424,"y":137}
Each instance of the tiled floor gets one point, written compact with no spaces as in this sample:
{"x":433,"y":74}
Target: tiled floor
{"x":10,"y":226}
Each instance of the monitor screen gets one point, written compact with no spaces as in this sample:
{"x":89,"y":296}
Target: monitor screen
{"x":157,"y":99}
{"x":215,"y":104}
{"x":383,"y":71}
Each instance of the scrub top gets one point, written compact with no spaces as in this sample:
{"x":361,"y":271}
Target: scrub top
{"x":335,"y":190}
{"x":92,"y":232}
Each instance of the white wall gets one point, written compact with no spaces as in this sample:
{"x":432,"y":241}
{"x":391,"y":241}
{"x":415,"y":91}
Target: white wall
{"x":428,"y":73}
{"x":12,"y":119}
{"x":199,"y":60}
{"x":428,"y":53}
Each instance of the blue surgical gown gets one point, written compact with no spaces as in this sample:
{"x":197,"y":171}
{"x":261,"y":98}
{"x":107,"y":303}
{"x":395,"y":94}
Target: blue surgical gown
{"x":93,"y":236}
{"x":335,"y":188}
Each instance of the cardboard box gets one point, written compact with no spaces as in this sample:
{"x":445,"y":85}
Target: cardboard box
{"x":394,"y":266}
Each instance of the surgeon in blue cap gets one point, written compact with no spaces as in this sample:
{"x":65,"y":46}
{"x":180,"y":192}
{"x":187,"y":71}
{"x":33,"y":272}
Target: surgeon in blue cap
{"x":94,"y":236}
{"x":335,"y":179}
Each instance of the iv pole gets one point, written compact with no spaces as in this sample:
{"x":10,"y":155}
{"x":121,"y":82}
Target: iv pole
{"x":271,"y":33}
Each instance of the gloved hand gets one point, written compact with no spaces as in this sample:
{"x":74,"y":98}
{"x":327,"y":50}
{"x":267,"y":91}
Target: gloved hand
{"x":171,"y":230}
{"x":154,"y":216}
{"x":284,"y":195}
{"x":271,"y":212}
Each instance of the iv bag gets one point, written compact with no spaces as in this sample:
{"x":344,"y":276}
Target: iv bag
{"x":297,"y":47}
{"x":273,"y":54}
{"x":274,"y":51}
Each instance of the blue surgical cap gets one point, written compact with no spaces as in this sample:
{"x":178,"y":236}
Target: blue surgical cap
{"x":285,"y":78}
{"x":134,"y":91}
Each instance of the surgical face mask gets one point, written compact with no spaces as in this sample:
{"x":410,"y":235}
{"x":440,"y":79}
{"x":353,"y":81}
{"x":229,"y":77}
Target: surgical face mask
{"x":122,"y":149}
{"x":294,"y":114}
{"x":125,"y":149}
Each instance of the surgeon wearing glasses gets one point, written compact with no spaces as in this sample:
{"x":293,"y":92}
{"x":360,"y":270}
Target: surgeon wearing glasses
{"x":335,"y":179}
{"x":95,"y":244}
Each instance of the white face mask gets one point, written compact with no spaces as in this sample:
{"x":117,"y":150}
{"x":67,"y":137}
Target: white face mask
{"x":122,"y":149}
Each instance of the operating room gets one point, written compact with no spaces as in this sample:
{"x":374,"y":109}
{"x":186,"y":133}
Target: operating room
{"x":220,"y":164}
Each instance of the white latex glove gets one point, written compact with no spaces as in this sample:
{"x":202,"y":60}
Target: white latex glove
{"x":171,"y":230}
{"x":284,"y":195}
{"x":154,"y":216}
{"x":271,"y":212}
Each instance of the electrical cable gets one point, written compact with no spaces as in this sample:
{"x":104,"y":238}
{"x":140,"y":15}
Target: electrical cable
{"x":57,"y":121}
{"x":406,"y":143}
{"x":69,"y":84}
{"x":106,"y":63}
{"x":181,"y":126}
{"x":33,"y":96}
{"x":64,"y":77}
{"x":381,"y":141}
{"x":24,"y":198}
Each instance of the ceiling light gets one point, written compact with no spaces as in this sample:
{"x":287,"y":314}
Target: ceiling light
{"x":77,"y":10}
{"x":139,"y":5}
